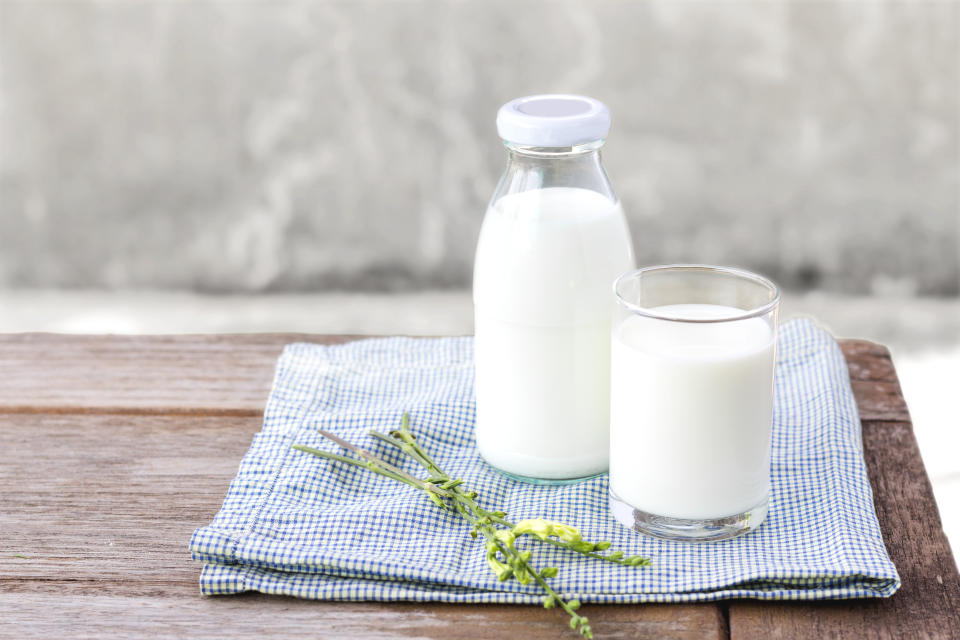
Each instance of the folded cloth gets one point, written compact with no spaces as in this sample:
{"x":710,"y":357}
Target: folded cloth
{"x":295,"y":524}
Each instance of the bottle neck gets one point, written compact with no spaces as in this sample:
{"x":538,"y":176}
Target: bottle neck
{"x":577,"y":167}
{"x":555,"y":153}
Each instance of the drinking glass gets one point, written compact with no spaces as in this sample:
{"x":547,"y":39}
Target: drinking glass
{"x":691,"y":402}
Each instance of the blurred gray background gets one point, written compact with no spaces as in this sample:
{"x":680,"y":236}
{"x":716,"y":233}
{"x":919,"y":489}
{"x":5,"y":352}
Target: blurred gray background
{"x":324,"y":166}
{"x":304,"y":146}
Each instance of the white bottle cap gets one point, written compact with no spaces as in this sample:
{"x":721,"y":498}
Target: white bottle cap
{"x":556,"y":120}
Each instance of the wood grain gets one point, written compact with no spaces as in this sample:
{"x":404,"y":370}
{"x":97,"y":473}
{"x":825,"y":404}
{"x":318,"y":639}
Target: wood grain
{"x":118,"y":447}
{"x":103,"y":505}
{"x":260,"y":616}
{"x":179,"y":374}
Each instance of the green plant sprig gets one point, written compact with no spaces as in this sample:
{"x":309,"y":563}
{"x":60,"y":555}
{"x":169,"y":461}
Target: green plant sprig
{"x":404,"y":439}
{"x":504,"y":559}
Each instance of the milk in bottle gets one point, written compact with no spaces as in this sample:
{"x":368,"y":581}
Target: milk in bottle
{"x":552,"y":242}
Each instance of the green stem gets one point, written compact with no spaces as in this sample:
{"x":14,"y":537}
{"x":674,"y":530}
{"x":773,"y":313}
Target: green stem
{"x":440,"y":485}
{"x":511,"y":553}
{"x":562,"y":544}
{"x":372,"y":458}
{"x":409,"y":450}
{"x":374,"y":465}
{"x":407,"y":436}
{"x":403,"y":439}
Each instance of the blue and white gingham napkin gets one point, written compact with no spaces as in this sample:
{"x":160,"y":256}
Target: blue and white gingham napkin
{"x":295,"y":524}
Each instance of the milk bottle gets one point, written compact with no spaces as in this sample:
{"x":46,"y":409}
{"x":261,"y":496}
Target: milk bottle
{"x":553,"y":240}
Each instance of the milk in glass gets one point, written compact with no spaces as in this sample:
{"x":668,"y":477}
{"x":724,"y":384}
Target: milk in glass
{"x":691,"y":400}
{"x":691,"y":407}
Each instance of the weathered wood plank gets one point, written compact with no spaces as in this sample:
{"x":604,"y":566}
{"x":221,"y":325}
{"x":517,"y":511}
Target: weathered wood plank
{"x":882,"y":401}
{"x":868,"y":361}
{"x":182,"y":374}
{"x":874,"y":381}
{"x":144,"y":434}
{"x":258,"y":616}
{"x":928,"y":603}
{"x":231,"y":374}
{"x":103,"y":507}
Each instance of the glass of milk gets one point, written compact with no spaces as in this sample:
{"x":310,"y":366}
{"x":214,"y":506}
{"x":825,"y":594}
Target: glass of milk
{"x":553,"y":239}
{"x":691,"y":401}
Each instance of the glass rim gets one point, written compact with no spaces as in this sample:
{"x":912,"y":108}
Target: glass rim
{"x":743,"y":274}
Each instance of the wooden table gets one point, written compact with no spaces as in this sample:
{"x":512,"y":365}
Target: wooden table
{"x":116,"y":448}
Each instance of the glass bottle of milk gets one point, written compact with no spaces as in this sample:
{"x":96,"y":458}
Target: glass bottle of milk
{"x":553,"y":240}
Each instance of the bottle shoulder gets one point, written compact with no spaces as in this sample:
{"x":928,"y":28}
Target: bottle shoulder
{"x":530,"y":173}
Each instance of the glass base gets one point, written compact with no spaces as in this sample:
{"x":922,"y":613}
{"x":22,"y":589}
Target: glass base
{"x":684,"y":529}
{"x":544,"y":481}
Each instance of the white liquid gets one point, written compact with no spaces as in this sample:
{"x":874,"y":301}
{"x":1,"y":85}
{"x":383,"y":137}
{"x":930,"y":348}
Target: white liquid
{"x":546,"y":261}
{"x":691,"y":413}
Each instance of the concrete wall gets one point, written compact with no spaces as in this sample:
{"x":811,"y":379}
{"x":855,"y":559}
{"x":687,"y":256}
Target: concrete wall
{"x":313,"y":145}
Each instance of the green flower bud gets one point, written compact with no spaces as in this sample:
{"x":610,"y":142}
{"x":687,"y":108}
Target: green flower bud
{"x":537,"y":527}
{"x":549,"y":572}
{"x":541,"y":528}
{"x":574,"y":604}
{"x":549,"y":602}
{"x":603,"y":546}
{"x":506,"y":536}
{"x":501,"y":570}
{"x":573,"y":622}
{"x":616,"y":555}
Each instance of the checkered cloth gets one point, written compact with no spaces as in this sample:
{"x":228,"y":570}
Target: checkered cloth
{"x":299,"y":525}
